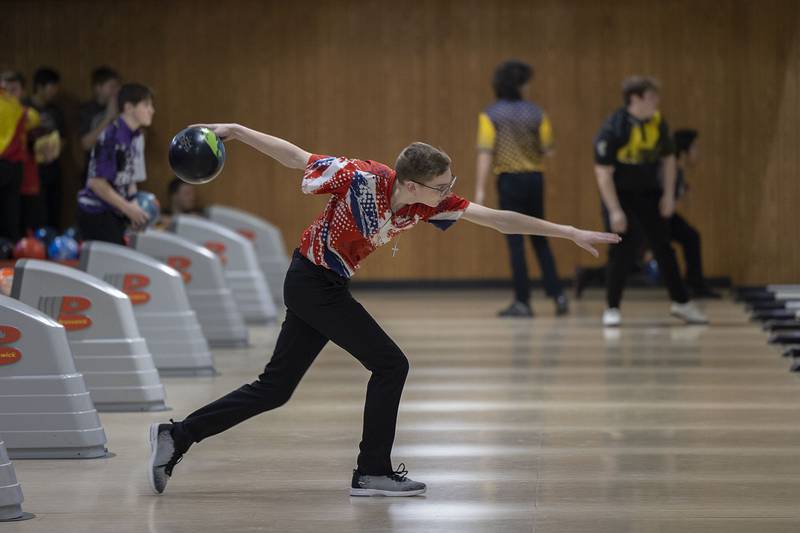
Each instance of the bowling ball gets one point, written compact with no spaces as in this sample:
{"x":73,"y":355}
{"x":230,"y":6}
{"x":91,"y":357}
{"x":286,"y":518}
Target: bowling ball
{"x":196,"y":155}
{"x":46,"y":234}
{"x":73,"y":232}
{"x":31,"y":248}
{"x":63,"y":248}
{"x":6,"y":248}
{"x":651,"y":272}
{"x":149,"y":204}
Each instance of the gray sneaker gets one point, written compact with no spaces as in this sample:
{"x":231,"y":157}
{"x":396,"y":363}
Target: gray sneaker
{"x":163,"y":456}
{"x":394,"y":484}
{"x":516,"y":310}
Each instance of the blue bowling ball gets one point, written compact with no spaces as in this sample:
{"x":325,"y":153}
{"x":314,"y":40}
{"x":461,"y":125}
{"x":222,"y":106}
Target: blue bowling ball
{"x":63,"y":248}
{"x":149,"y":204}
{"x":46,"y":234}
{"x":73,"y":232}
{"x":652,"y":272}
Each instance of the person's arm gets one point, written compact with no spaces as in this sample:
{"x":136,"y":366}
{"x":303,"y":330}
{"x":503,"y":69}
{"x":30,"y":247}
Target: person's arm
{"x":89,"y":139}
{"x":546,"y":140}
{"x":483,"y":169}
{"x":103,"y":189}
{"x":284,"y":152}
{"x":608,"y":193}
{"x":512,"y":223}
{"x":667,"y":203}
{"x":666,"y":146}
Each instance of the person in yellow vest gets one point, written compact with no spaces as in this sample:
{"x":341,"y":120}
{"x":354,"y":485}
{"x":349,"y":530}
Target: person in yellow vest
{"x":15,"y":121}
{"x":514,"y":136}
{"x":632,"y":151}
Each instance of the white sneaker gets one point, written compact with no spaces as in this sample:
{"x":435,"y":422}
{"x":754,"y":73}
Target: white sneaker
{"x":611,"y":317}
{"x":688,"y":312}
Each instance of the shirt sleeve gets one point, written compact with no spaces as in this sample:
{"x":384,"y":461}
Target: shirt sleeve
{"x":448,"y":212}
{"x":486,"y":133}
{"x":546,"y":134}
{"x":103,"y":159}
{"x":325,"y":174}
{"x":666,"y":142}
{"x":605,"y":147}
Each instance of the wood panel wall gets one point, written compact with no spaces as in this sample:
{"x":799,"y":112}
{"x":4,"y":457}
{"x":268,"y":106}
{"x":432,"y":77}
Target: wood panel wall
{"x":365,"y":78}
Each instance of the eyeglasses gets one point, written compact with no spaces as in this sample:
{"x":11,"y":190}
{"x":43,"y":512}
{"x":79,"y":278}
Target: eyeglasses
{"x":441,"y":189}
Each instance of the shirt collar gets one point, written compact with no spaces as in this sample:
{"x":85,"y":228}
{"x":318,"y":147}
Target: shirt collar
{"x":124,"y":131}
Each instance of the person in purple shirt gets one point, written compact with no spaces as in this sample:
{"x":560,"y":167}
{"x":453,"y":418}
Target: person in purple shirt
{"x":116,"y":165}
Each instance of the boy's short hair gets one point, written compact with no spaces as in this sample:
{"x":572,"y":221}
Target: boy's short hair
{"x":509,"y":77}
{"x":100,"y":75}
{"x":45,"y":76}
{"x":133,"y":93}
{"x":638,"y":85}
{"x":421,"y":162}
{"x":12,"y":76}
{"x":684,"y":139}
{"x":174,"y":185}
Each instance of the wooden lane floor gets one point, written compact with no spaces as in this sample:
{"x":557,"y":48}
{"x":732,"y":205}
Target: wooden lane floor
{"x":547,"y":425}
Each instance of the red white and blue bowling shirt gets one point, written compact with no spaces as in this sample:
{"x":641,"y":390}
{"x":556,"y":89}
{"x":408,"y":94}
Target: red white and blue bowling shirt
{"x":358,"y":217}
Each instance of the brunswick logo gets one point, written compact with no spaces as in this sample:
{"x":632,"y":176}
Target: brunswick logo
{"x":247,"y":234}
{"x":131,"y":285}
{"x":8,"y":354}
{"x":219,"y":249}
{"x":69,"y":314}
{"x":182,"y":265}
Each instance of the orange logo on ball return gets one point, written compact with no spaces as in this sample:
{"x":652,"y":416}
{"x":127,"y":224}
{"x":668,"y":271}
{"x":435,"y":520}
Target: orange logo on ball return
{"x":182,"y":265}
{"x":131,"y":284}
{"x":8,"y":354}
{"x":247,"y":234}
{"x":219,"y":249}
{"x":69,"y":316}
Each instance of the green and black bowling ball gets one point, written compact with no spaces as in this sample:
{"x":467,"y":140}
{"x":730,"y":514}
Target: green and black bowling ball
{"x":196,"y":155}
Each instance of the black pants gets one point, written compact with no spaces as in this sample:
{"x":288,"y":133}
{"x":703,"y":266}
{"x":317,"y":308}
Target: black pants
{"x":10,"y":183}
{"x":50,"y":178}
{"x":642,"y":211}
{"x":106,"y":227}
{"x":32,"y":213}
{"x":524,"y":193}
{"x":319,"y":308}
{"x":689,"y":239}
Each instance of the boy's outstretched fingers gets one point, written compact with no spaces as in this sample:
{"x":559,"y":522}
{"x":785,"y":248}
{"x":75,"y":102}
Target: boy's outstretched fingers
{"x":585,"y":239}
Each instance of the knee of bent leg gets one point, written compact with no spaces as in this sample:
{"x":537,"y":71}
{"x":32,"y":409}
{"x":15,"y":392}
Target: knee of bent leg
{"x":398,"y":363}
{"x":268,"y":394}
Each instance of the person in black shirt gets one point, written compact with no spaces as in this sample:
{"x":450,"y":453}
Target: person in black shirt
{"x":45,"y":90}
{"x":632,"y":149}
{"x":101,"y":110}
{"x":680,"y":230}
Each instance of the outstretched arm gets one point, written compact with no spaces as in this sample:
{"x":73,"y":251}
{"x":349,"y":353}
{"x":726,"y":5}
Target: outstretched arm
{"x":278,"y":149}
{"x":516,"y":223}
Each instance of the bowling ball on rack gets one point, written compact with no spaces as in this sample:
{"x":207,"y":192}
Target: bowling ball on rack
{"x":31,"y":248}
{"x":63,"y":248}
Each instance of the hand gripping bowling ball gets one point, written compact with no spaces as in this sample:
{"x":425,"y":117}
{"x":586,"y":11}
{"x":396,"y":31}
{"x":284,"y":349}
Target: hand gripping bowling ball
{"x":196,"y":155}
{"x":63,"y":248}
{"x":149,"y":204}
{"x":29,"y":247}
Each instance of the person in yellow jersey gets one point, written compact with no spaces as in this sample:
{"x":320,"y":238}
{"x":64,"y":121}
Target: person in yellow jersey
{"x":514,"y":137}
{"x":632,"y":151}
{"x":15,"y":122}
